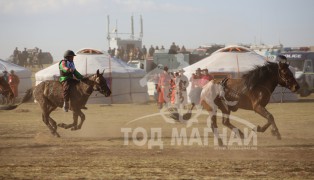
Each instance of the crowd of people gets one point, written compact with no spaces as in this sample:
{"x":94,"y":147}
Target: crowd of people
{"x":27,"y":58}
{"x":171,"y":87}
{"x":142,"y":53}
{"x":13,"y":80}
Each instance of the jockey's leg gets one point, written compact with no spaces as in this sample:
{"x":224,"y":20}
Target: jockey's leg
{"x":66,"y":95}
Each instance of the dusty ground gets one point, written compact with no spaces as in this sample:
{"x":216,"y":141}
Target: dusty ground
{"x":97,"y":151}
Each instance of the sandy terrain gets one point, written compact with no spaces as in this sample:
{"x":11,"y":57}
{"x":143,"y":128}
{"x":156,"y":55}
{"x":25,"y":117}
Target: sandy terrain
{"x":97,"y":151}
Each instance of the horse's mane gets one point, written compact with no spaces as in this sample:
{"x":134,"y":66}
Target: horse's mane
{"x":259,"y":75}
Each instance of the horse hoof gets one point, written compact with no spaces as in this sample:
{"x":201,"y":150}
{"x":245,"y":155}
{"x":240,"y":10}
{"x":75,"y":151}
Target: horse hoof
{"x":258,"y":129}
{"x":61,"y":125}
{"x":73,"y":128}
{"x":220,"y":143}
{"x":241,"y":135}
{"x":274,"y":132}
{"x":57,"y":135}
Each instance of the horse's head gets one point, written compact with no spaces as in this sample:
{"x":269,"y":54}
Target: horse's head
{"x":5,"y":89}
{"x":100,"y":84}
{"x":285,"y":76}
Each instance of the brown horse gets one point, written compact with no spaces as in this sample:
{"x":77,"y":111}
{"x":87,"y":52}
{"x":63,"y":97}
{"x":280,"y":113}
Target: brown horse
{"x":253,"y":92}
{"x":7,"y":94}
{"x":49,"y":95}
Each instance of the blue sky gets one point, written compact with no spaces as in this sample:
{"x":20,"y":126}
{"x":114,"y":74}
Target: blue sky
{"x":58,"y":25}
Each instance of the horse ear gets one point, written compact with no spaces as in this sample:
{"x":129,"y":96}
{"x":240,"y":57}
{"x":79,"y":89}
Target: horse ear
{"x":97,"y":72}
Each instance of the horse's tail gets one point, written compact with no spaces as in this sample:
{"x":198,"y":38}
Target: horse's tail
{"x":27,"y":96}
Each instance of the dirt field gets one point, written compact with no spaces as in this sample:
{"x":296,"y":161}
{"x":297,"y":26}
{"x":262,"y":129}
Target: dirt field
{"x":97,"y":151}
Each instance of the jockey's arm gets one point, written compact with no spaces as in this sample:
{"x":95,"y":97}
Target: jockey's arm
{"x":77,"y":74}
{"x":63,"y":67}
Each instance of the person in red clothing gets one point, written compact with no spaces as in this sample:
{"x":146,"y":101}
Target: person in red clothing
{"x":163,"y":87}
{"x":14,"y":82}
{"x":174,"y":87}
{"x":206,"y":77}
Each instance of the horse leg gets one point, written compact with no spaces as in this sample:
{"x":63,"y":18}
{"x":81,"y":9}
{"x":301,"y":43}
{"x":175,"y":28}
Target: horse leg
{"x":226,"y":120}
{"x":46,"y":110}
{"x":73,"y":126}
{"x":270,"y":121}
{"x":51,"y":124}
{"x":212,"y":118}
{"x":82,"y":116}
{"x":75,"y":118}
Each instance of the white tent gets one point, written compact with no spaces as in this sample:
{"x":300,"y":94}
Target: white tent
{"x":233,"y":62}
{"x":23,"y":73}
{"x":122,"y":79}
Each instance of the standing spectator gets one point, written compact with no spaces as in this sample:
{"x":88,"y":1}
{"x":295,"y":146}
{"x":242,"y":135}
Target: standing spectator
{"x":151,"y":51}
{"x":14,"y":82}
{"x":155,"y":79}
{"x":144,"y":51}
{"x":6,"y":78}
{"x":162,"y":47}
{"x":31,"y":59}
{"x":173,"y":49}
{"x":157,"y":48}
{"x":183,"y":50}
{"x":15,"y":56}
{"x":206,"y":77}
{"x":24,"y":57}
{"x":196,"y":87}
{"x":20,"y":59}
{"x":173,"y":87}
{"x":182,"y":82}
{"x":163,"y":87}
{"x":122,"y":53}
{"x":139,"y":54}
{"x":40,"y":59}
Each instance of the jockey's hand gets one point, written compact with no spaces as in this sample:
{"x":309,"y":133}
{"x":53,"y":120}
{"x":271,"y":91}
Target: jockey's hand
{"x":72,"y":70}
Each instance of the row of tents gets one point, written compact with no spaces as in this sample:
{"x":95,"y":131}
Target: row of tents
{"x":127,"y":82}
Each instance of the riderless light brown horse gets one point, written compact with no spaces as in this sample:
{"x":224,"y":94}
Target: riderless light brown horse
{"x":254,"y":90}
{"x":49,"y":95}
{"x":7,"y":93}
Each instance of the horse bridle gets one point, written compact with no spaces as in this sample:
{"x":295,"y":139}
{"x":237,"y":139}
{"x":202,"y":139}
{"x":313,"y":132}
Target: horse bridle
{"x":285,"y":80}
{"x":101,"y":89}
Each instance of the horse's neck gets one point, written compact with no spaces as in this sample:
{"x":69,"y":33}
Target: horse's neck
{"x":272,"y":84}
{"x":86,"y":88}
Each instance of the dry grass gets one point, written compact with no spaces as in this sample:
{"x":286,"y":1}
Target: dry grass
{"x":27,"y":149}
{"x":97,"y":151}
